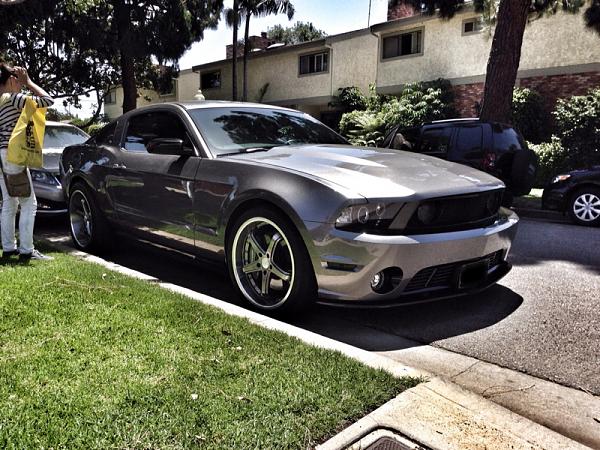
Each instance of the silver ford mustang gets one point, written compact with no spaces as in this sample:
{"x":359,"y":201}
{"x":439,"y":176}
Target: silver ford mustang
{"x":293,"y":211}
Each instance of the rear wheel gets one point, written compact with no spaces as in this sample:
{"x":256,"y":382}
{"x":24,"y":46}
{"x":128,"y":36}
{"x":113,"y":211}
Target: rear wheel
{"x":90,"y":231}
{"x":584,"y":206}
{"x":269,"y":263}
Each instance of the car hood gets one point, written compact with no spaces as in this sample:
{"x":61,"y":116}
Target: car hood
{"x":377,"y":173}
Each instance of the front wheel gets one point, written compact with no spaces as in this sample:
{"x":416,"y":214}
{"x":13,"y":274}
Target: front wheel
{"x":584,"y":206}
{"x":269,"y":263}
{"x":90,"y":231}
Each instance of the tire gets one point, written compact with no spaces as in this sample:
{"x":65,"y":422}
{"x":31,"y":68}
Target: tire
{"x":584,"y":206}
{"x":269,"y":264}
{"x":90,"y":232}
{"x":523,"y":171}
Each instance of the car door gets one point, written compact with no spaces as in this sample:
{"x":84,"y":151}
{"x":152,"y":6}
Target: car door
{"x":152,"y":193}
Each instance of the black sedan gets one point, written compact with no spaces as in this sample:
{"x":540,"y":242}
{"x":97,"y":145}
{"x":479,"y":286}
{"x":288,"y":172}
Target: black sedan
{"x":290,"y":208}
{"x":576,"y":193}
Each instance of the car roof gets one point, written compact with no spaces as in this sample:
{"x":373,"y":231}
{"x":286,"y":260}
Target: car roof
{"x":201,"y":104}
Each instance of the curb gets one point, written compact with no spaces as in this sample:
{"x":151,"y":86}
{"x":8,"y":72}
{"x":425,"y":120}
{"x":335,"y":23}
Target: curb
{"x":436,"y":413}
{"x":544,"y":214}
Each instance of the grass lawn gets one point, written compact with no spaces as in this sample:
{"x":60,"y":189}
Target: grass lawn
{"x":93,"y":359}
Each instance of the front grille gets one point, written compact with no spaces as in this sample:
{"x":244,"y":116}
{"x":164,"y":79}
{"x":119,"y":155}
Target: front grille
{"x":457,"y":213}
{"x":438,"y":277}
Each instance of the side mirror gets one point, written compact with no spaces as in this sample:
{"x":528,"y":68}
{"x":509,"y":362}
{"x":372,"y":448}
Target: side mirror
{"x":166,"y":146}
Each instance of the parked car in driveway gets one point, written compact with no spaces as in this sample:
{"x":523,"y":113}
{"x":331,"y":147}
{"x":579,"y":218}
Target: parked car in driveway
{"x":46,"y":181}
{"x":576,"y":193}
{"x":288,"y":206}
{"x":489,"y":146}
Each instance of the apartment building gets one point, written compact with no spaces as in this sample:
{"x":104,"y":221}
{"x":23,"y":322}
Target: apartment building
{"x":560,"y":57}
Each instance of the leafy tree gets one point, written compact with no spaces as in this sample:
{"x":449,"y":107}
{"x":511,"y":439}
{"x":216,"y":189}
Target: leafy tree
{"x":260,"y":8}
{"x":132,"y":35}
{"x":505,"y":54}
{"x":299,"y":32}
{"x":52,"y":57}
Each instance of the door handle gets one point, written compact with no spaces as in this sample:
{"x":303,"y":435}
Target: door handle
{"x":119,"y":166}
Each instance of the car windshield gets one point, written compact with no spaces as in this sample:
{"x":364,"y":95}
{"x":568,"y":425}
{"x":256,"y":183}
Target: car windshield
{"x":234,"y":130}
{"x":63,"y":136}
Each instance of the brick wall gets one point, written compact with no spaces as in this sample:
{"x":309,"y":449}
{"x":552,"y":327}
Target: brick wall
{"x":400,"y":11}
{"x":552,"y":87}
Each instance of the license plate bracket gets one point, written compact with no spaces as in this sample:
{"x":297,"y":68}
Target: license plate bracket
{"x":472,"y":274}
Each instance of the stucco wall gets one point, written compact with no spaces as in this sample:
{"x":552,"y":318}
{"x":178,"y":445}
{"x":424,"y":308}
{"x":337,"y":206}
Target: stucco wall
{"x":355,"y":62}
{"x":550,"y":42}
{"x":114,"y":110}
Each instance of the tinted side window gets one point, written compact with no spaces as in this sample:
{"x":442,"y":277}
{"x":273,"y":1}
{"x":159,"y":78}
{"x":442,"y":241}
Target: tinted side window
{"x":506,"y":139}
{"x":406,"y":140}
{"x":436,"y":141}
{"x":106,"y":136}
{"x":469,"y":142}
{"x":142,"y":128}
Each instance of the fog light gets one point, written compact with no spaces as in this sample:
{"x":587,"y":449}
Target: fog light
{"x":427,"y":213}
{"x":378,"y":281}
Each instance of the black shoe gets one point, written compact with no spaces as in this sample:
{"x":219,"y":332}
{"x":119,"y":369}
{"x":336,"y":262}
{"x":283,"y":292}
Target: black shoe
{"x":8,"y":254}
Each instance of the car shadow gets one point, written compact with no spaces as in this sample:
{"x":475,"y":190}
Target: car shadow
{"x":371,"y":329}
{"x":409,"y":326}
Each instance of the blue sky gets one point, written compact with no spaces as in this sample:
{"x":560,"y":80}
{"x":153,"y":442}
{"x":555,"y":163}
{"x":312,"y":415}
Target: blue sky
{"x":331,"y":16}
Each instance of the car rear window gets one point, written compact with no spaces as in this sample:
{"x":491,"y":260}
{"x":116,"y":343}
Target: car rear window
{"x":436,"y":141}
{"x":469,"y":142}
{"x":507,"y":139}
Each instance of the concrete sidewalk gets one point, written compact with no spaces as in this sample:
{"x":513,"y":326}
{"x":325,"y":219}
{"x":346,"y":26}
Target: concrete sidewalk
{"x":437,"y":414}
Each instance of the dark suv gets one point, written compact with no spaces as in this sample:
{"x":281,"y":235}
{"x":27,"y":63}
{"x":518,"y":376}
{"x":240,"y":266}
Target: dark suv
{"x":492,"y":147}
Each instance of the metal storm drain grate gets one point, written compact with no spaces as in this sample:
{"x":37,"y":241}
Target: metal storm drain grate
{"x":386,"y":443}
{"x":384,"y":439}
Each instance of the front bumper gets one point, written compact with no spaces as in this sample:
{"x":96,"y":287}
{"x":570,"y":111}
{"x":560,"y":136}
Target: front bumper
{"x":345,"y":263}
{"x":50,"y":199}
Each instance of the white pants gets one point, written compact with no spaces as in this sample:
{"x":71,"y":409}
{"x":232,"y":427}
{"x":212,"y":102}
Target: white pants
{"x":10,"y":206}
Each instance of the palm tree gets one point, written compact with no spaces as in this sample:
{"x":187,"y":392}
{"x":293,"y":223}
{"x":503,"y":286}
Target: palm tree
{"x":259,"y":8}
{"x":232,"y":19}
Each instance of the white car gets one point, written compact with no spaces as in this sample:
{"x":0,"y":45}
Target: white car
{"x":46,"y":181}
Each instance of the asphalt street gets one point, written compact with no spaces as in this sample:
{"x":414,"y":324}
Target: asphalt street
{"x":542,"y":319}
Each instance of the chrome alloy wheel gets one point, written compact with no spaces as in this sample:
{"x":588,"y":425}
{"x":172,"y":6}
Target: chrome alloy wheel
{"x":80,"y":218}
{"x":263,"y":263}
{"x":586,"y":207}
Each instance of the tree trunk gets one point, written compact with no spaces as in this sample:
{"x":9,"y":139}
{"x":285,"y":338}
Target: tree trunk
{"x":234,"y":59}
{"x":123,"y":19}
{"x":503,"y":63}
{"x":128,"y":82}
{"x":246,"y":52}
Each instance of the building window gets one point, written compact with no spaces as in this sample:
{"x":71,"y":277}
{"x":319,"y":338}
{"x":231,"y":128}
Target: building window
{"x":210,"y":80}
{"x":472,"y":26}
{"x":111,"y":97}
{"x":405,"y":44}
{"x":315,"y":63}
{"x":170,"y":89}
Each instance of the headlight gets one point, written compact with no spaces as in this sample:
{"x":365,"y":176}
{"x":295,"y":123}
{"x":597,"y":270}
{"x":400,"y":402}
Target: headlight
{"x":559,"y":178}
{"x":367,"y":217}
{"x":41,"y":177}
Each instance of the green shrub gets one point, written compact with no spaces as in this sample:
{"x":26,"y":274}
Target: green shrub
{"x":578,"y":123}
{"x":417,"y":103}
{"x":350,"y":99}
{"x":94,"y":128}
{"x":552,"y":160}
{"x":529,"y":115}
